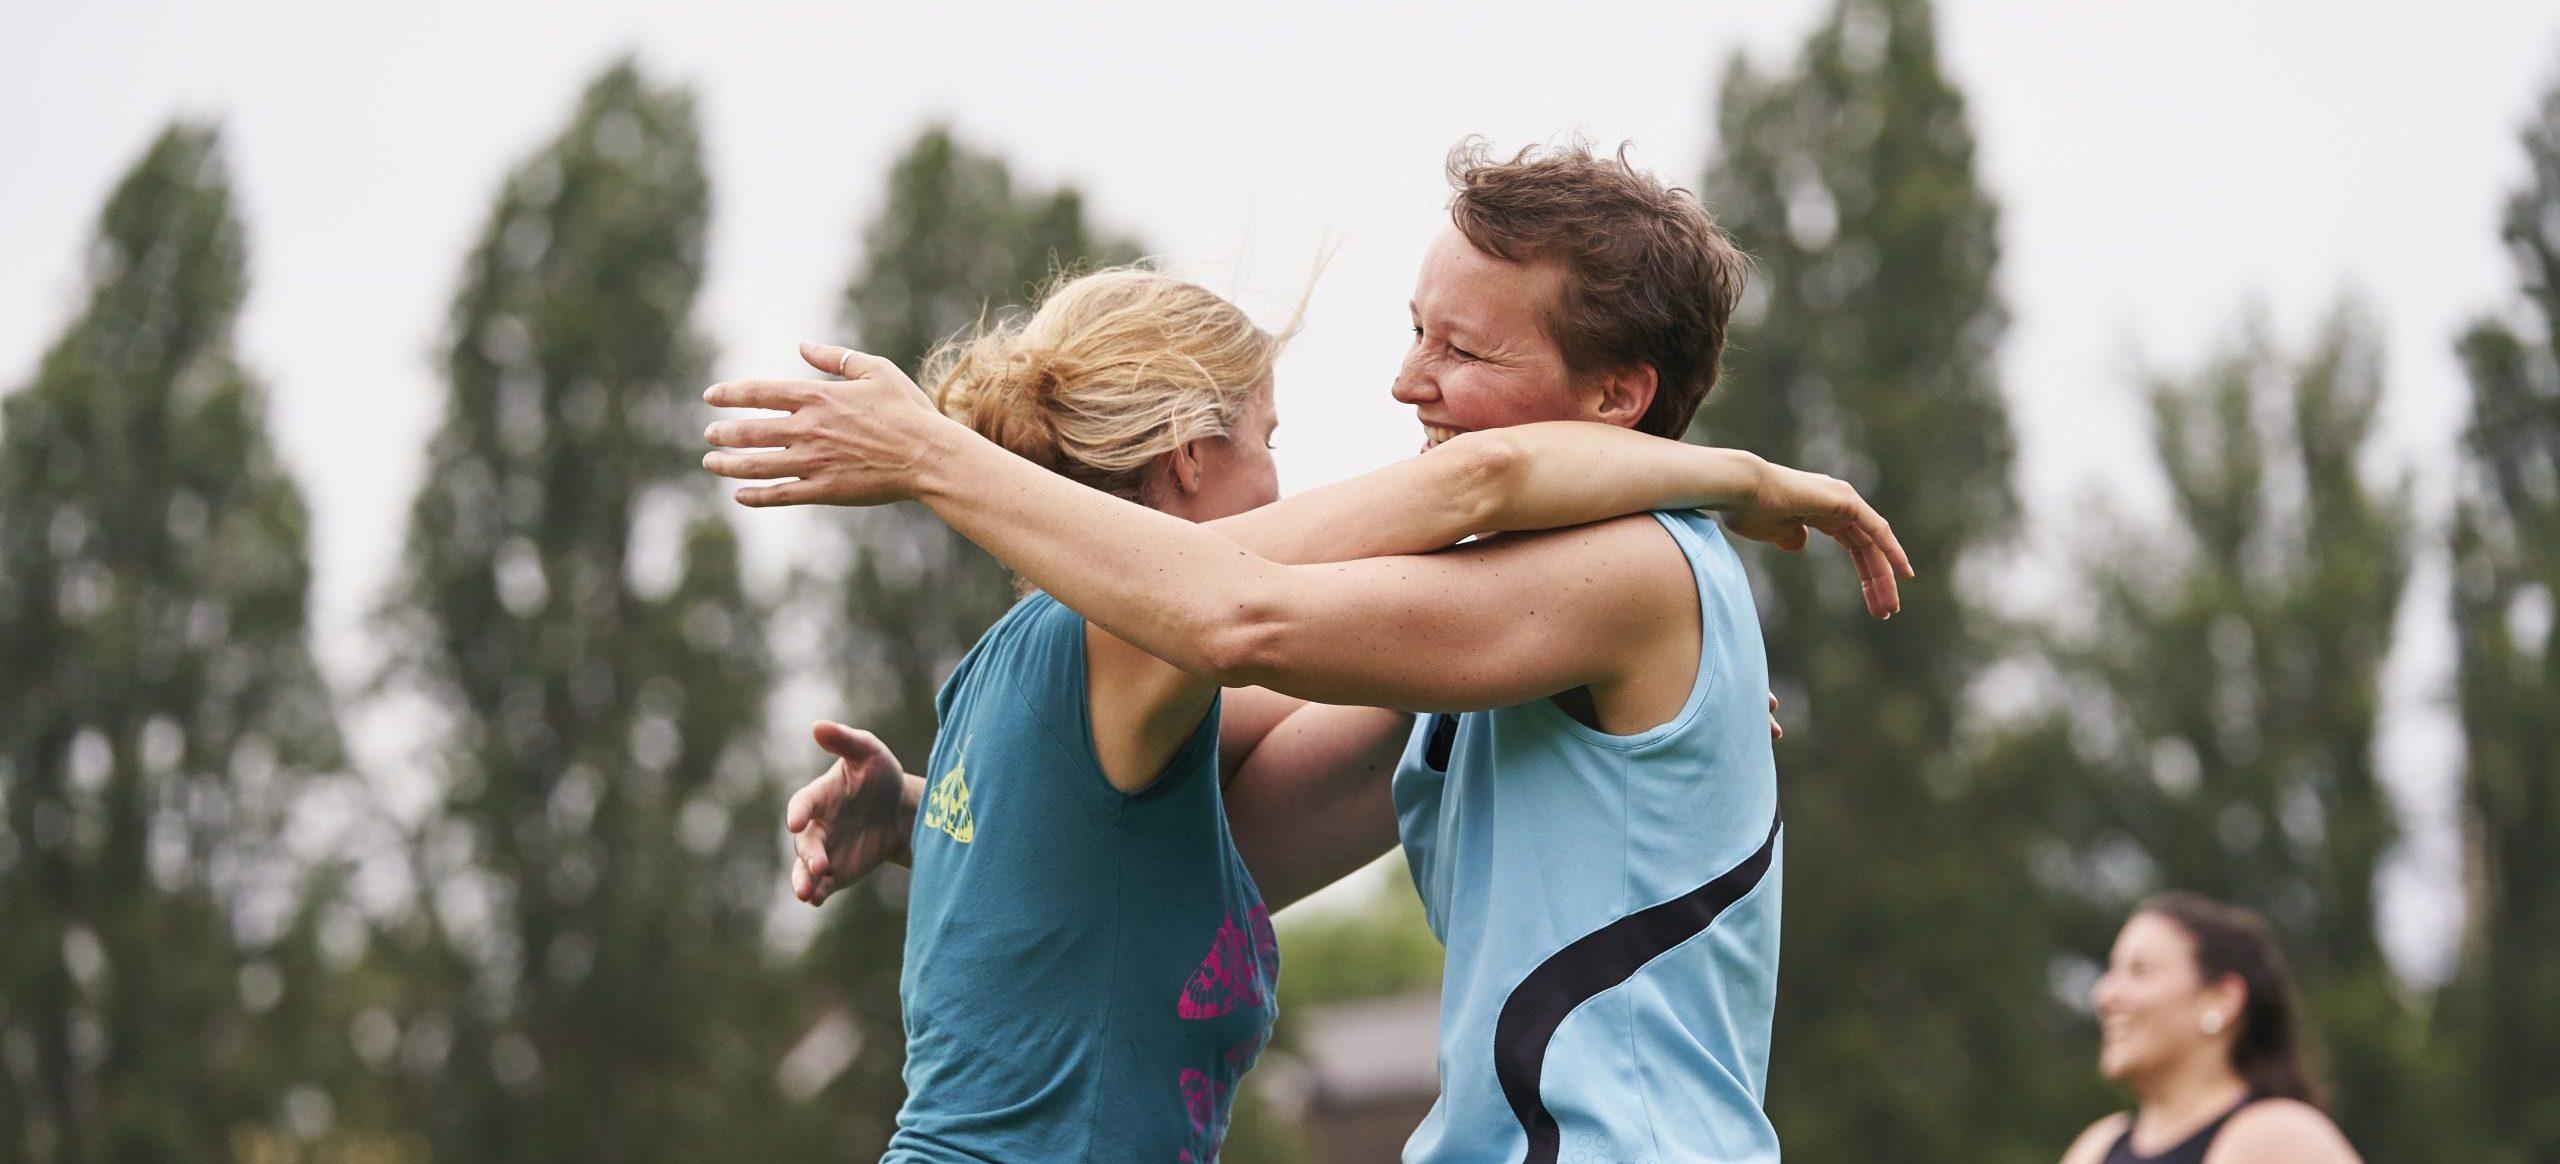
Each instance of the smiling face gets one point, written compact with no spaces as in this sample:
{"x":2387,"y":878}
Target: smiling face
{"x":2152,"y":1004}
{"x":1482,"y":356}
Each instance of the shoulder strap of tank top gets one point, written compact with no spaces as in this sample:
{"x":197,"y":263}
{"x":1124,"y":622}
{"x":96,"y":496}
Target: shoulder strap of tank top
{"x":2204,"y":1136}
{"x":2188,"y":1151}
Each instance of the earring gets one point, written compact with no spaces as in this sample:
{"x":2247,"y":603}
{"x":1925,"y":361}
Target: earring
{"x":2211,"y":1022}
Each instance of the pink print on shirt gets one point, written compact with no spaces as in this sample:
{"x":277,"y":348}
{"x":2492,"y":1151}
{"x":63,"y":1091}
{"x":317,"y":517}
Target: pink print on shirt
{"x":1228,"y":979}
{"x":1231,"y":976}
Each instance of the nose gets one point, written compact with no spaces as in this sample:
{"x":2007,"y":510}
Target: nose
{"x":2102,"y":993}
{"x":1414,"y":384}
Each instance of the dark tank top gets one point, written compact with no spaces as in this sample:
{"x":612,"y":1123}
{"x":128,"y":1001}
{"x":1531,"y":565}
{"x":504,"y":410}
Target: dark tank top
{"x":2189,"y":1151}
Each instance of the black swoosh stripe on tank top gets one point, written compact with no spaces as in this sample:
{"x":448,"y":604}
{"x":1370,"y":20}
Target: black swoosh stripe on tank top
{"x":1593,"y":963}
{"x":1444,"y":736}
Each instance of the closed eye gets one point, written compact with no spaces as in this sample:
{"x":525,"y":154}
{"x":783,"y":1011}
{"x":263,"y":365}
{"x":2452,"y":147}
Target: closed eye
{"x":1463,"y":355}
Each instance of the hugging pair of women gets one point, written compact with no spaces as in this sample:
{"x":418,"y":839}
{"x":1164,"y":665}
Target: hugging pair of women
{"x":1525,"y":655}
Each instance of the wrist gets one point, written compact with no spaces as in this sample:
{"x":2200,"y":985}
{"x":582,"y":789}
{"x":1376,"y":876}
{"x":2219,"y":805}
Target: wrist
{"x":942,"y":443}
{"x":1736,"y":479}
{"x":910,"y":797}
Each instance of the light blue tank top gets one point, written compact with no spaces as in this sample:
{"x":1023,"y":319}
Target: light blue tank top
{"x":1088,"y":972}
{"x":1610,"y":907}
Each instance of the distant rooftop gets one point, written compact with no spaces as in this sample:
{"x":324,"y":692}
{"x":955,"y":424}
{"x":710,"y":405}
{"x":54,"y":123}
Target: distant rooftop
{"x":1361,"y":1053}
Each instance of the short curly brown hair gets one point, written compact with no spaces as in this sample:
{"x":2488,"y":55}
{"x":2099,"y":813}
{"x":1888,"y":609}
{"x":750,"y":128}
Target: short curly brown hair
{"x":1649,"y":278}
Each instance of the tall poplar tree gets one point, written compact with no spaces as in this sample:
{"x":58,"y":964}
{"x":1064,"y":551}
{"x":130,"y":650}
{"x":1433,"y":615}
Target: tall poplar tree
{"x":2229,"y":690}
{"x":160,"y":712}
{"x":1915,"y":1009}
{"x":955,"y":242}
{"x":590,"y":979}
{"x":2503,"y":1008}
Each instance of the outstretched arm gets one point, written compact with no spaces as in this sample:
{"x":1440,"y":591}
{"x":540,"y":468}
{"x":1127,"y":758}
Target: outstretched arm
{"x":1560,"y":473}
{"x":1184,"y":593}
{"x":1528,"y":477}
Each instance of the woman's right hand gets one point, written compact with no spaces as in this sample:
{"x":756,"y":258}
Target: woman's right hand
{"x":854,"y":816}
{"x":1789,"y":501}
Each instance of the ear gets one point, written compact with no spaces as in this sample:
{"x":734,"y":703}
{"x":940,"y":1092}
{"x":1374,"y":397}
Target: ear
{"x":1180,"y":469}
{"x":2228,"y":994}
{"x":1623,"y":396}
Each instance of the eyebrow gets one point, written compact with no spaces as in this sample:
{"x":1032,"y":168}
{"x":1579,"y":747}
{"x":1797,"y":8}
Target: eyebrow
{"x":1473,"y":336}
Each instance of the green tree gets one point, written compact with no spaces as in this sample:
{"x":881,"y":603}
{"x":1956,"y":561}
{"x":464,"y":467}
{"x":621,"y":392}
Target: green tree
{"x":955,"y":243}
{"x":160,"y":713}
{"x":2504,"y":1004}
{"x":588,"y":979}
{"x":1916,"y":1009}
{"x":2229,"y":687}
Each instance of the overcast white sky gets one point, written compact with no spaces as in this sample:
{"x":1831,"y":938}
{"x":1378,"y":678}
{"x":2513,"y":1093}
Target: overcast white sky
{"x":2162,"y":165}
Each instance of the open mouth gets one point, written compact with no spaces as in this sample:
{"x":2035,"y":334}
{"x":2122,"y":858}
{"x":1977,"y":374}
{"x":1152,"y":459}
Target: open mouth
{"x":1434,"y":435}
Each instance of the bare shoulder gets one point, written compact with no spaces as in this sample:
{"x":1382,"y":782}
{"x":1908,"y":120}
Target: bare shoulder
{"x":2281,"y":1131}
{"x":2091,"y":1147}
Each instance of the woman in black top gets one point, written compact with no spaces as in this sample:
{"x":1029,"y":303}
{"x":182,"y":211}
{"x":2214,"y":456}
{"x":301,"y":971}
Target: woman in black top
{"x":2196,"y":1017}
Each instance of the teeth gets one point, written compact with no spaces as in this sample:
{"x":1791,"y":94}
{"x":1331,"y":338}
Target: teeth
{"x":1438,"y":434}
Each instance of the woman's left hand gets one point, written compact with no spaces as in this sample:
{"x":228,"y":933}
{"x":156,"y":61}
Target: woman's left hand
{"x":852,"y":443}
{"x":1788,"y":502}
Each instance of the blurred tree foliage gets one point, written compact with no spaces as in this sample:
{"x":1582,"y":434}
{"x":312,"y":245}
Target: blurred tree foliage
{"x":585,"y":973}
{"x":162,"y":988}
{"x":2225,"y":692}
{"x":2503,"y":1008}
{"x":1916,"y":1009}
{"x":955,"y":242}
{"x":588,"y":977}
{"x":1379,"y":947}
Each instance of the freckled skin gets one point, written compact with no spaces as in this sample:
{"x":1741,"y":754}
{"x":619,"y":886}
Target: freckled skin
{"x":1481,"y":357}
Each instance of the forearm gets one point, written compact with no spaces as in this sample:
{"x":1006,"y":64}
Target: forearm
{"x":1561,"y":473}
{"x":1531,"y":477}
{"x":1414,"y":506}
{"x":1171,"y":588}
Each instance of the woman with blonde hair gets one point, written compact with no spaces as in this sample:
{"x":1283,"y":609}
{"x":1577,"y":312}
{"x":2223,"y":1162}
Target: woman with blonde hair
{"x":2196,"y":1016}
{"x":1090,"y":962}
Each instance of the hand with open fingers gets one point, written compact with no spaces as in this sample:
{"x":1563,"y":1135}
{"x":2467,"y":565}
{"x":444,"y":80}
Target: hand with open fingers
{"x":857,"y":442}
{"x":1790,"y":501}
{"x":854,"y":816}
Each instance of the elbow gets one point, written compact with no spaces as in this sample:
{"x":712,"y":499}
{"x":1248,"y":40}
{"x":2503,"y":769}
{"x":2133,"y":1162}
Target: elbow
{"x":1241,"y":645}
{"x":1490,"y":472}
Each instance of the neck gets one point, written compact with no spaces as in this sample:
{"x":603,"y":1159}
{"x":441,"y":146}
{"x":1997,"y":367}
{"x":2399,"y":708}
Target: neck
{"x":2190,"y":1091}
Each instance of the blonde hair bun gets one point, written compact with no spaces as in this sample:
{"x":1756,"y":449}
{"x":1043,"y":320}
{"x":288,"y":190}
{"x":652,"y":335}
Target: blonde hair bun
{"x":1114,"y":369}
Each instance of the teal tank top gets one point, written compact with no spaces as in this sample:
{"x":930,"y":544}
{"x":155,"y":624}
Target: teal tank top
{"x":1610,"y":907}
{"x":1088,"y":972}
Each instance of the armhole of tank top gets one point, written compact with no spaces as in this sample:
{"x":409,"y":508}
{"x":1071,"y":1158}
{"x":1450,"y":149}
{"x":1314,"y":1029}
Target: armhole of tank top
{"x":1089,"y":757}
{"x":1701,"y":681}
{"x":1064,"y":717}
